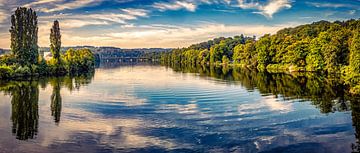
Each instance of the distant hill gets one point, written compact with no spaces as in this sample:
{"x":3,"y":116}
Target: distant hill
{"x":4,"y":51}
{"x":109,"y":49}
{"x":114,"y":53}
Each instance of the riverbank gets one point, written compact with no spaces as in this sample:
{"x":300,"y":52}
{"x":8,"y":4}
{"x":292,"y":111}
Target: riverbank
{"x":72,"y":62}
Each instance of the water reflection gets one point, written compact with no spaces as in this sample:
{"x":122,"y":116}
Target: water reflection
{"x":25,"y":114}
{"x":355,"y":113}
{"x":25,"y":98}
{"x":326,"y":92}
{"x":56,"y":100}
{"x":154,"y":109}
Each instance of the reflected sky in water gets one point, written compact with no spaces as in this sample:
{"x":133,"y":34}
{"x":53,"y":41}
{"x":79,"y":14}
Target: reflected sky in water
{"x":156,"y":109}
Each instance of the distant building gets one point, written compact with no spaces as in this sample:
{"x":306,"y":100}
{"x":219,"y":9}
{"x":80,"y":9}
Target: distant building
{"x":47,"y":56}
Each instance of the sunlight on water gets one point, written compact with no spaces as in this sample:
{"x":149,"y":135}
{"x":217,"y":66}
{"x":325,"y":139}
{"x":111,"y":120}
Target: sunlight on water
{"x":155,"y":109}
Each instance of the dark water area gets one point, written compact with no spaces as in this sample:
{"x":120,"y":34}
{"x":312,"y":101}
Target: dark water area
{"x":153,"y":108}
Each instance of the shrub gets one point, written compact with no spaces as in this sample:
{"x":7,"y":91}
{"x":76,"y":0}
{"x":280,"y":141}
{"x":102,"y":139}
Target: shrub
{"x":43,"y":67}
{"x":6,"y":72}
{"x":7,"y":59}
{"x":22,"y":71}
{"x":355,"y":90}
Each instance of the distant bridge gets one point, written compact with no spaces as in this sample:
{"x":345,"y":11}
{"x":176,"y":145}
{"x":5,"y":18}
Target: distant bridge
{"x":125,"y":59}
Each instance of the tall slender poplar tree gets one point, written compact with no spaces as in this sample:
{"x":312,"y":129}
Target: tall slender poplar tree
{"x":55,"y":40}
{"x":24,"y":36}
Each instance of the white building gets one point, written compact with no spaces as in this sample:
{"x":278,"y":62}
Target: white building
{"x":47,"y":56}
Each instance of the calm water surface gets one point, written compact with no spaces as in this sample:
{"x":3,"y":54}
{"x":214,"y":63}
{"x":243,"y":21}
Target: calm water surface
{"x":157,"y":109}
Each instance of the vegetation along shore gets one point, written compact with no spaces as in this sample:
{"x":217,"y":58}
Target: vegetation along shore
{"x":24,"y":59}
{"x":325,"y":47}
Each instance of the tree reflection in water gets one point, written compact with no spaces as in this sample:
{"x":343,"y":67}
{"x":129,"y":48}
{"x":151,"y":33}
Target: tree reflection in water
{"x":326,"y":92}
{"x":56,"y":100}
{"x":25,"y":115}
{"x":25,"y":98}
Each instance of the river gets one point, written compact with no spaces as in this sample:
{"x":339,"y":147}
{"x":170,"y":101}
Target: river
{"x":152,"y":108}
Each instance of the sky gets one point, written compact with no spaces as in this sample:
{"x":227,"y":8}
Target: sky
{"x":169,"y":23}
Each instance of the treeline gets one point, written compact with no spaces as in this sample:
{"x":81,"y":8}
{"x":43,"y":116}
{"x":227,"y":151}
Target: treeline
{"x":330,"y":47}
{"x":211,"y":52}
{"x":25,"y":60}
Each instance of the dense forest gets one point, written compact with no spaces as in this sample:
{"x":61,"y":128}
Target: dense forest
{"x":25,"y":60}
{"x":327,"y":47}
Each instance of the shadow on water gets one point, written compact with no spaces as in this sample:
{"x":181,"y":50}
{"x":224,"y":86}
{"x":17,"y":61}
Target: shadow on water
{"x":25,"y":98}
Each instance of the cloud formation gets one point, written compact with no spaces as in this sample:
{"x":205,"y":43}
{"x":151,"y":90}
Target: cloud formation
{"x":3,"y":16}
{"x":332,"y":5}
{"x":81,"y":20}
{"x":267,"y":9}
{"x":176,"y":5}
{"x":169,"y":35}
{"x":60,"y":5}
{"x":133,"y":23}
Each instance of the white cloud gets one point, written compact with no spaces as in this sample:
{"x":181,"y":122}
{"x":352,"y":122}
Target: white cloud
{"x":5,"y":40}
{"x":80,"y":20}
{"x":331,"y":5}
{"x":56,"y":5}
{"x":69,"y":21}
{"x":352,"y":12}
{"x":136,"y":12}
{"x":176,"y":5}
{"x":40,"y":2}
{"x":267,"y":9}
{"x":167,"y":35}
{"x":3,"y":16}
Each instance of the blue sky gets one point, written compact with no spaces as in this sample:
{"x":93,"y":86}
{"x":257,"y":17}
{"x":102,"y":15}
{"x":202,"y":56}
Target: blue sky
{"x":170,"y":23}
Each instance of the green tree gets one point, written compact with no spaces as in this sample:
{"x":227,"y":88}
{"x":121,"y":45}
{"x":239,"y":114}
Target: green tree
{"x":315,"y":59}
{"x":297,"y":53}
{"x":225,"y":60}
{"x":355,"y":52}
{"x":239,"y":54}
{"x":24,"y":36}
{"x":203,"y":57}
{"x":262,"y":48}
{"x":217,"y":52}
{"x":55,"y":42}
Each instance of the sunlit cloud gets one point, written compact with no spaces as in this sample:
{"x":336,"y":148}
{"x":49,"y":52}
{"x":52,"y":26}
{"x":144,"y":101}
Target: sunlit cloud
{"x":267,"y":9}
{"x":56,"y":5}
{"x":136,"y":12}
{"x":137,"y":25}
{"x":176,"y":5}
{"x":3,"y":16}
{"x":86,"y":19}
{"x":39,"y":2}
{"x":169,"y":36}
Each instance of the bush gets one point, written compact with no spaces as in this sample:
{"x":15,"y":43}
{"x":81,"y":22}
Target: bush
{"x":79,"y":61}
{"x":7,"y":59}
{"x":22,"y":71}
{"x":43,"y":67}
{"x":355,"y":90}
{"x":6,"y":72}
{"x":277,"y":67}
